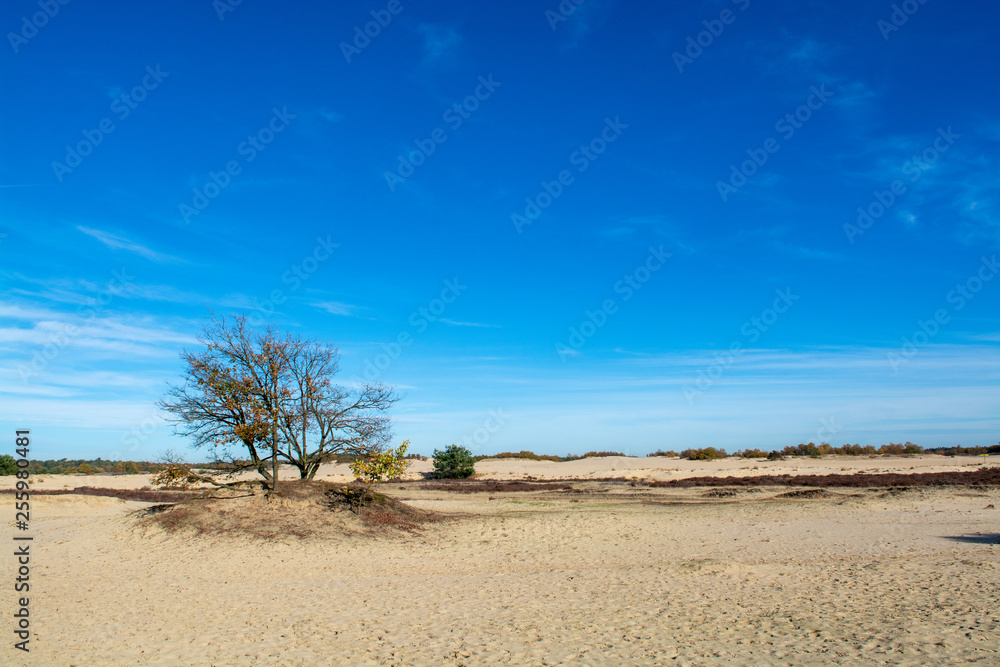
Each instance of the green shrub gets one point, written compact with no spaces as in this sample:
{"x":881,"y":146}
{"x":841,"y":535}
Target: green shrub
{"x":659,"y":452}
{"x":8,"y":466}
{"x":751,"y":454}
{"x":704,"y":454}
{"x":455,"y":462}
{"x":590,"y":455}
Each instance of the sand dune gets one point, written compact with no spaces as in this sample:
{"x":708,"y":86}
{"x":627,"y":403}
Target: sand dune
{"x":607,"y":576}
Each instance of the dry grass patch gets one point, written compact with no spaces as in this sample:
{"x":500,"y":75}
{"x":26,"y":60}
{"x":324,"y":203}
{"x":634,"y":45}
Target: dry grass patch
{"x":983,"y":477}
{"x":494,"y":486}
{"x":303,"y":509}
{"x":144,"y":495}
{"x":803,"y":493}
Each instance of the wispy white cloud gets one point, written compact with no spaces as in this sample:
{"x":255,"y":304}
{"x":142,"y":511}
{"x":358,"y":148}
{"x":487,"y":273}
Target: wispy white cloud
{"x":81,"y":291}
{"x":108,"y":331}
{"x":469,"y":324}
{"x":336,"y":307}
{"x":116,"y":242}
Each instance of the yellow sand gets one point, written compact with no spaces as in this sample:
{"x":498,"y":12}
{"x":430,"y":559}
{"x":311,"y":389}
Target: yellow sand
{"x":628,"y":576}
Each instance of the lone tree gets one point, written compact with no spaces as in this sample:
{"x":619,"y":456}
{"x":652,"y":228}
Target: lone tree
{"x":271,"y":397}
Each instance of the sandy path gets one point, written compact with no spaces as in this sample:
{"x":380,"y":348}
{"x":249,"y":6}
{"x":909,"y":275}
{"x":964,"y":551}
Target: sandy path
{"x":605,"y":580}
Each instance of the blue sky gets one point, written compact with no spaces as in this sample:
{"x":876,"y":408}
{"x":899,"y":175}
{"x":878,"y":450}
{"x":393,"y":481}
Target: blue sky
{"x":610,"y":225}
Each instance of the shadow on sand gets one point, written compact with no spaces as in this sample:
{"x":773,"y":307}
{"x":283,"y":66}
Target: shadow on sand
{"x":976,"y":538}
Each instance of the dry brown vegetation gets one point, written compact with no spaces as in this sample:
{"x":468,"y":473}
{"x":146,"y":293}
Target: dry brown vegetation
{"x":983,"y":476}
{"x":494,"y":486}
{"x":304,"y":509}
{"x":144,"y":495}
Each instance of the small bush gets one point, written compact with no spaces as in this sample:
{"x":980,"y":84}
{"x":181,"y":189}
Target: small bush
{"x":775,"y":456}
{"x":704,"y":454}
{"x":379,"y":466}
{"x":590,"y":455}
{"x":751,"y":454}
{"x":8,"y":466}
{"x":455,"y":462}
{"x":659,"y":452}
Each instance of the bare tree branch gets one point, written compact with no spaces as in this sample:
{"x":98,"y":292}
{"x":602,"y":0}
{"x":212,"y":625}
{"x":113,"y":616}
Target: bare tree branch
{"x":255,"y":390}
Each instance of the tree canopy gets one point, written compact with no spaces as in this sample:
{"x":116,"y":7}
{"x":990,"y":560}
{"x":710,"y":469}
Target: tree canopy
{"x":259,"y":397}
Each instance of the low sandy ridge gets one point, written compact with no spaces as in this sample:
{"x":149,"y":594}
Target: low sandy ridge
{"x":653,"y":468}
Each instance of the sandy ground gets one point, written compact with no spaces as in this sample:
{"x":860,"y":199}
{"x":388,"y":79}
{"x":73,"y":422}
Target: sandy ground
{"x":654,"y":468}
{"x":614,"y":575}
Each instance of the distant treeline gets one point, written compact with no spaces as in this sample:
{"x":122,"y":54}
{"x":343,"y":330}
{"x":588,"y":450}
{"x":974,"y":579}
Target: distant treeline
{"x":524,"y":454}
{"x":100,"y":466}
{"x":88,"y":467}
{"x":815,"y":451}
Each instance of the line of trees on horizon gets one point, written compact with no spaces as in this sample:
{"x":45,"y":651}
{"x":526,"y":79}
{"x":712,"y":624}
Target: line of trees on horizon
{"x":825,"y":449}
{"x":100,"y":466}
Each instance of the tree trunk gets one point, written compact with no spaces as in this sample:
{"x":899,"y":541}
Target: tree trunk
{"x":274,"y":434}
{"x":259,"y":464}
{"x":274,"y":460}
